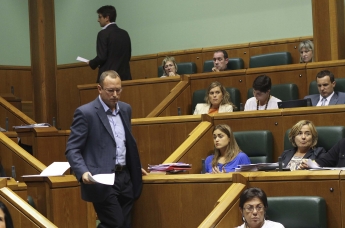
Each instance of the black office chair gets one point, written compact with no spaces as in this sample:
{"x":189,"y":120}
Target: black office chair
{"x":199,"y":95}
{"x":270,"y":59}
{"x":233,"y":64}
{"x":258,"y":145}
{"x":182,"y":68}
{"x":339,"y":86}
{"x":284,"y":92}
{"x":328,"y":136}
{"x":298,"y":211}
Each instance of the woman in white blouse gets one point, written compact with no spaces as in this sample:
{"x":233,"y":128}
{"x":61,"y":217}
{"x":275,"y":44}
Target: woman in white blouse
{"x":262,"y":99}
{"x":217,"y":101}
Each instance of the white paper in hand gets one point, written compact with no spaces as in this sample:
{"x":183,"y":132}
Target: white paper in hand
{"x":312,"y":164}
{"x":107,"y":178}
{"x":81,"y":59}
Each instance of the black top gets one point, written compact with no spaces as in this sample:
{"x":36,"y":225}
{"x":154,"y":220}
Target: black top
{"x":335,"y":157}
{"x":312,"y":154}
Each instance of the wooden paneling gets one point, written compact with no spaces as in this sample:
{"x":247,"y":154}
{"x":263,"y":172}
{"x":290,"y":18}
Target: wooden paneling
{"x":177,"y":203}
{"x":144,"y":66}
{"x":19,"y":78}
{"x":67,"y":79}
{"x":295,"y":73}
{"x":158,"y":137}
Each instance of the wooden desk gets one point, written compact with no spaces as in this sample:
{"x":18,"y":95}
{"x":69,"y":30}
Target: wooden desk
{"x":178,"y":200}
{"x":59,"y":199}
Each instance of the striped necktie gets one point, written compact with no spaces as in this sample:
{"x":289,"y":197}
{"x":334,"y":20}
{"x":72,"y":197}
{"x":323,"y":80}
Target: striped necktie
{"x":323,"y":101}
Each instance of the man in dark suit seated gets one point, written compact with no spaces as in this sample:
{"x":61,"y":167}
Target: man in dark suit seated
{"x":220,"y":61}
{"x":113,"y":46}
{"x":101,"y":142}
{"x":325,"y":84}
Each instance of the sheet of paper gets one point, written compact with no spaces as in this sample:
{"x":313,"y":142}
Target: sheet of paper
{"x":54,"y":169}
{"x":312,"y":164}
{"x":81,"y":59}
{"x":107,"y":178}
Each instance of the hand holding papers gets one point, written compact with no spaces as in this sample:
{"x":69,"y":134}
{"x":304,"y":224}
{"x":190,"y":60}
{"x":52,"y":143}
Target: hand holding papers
{"x":107,"y":178}
{"x":54,"y":169}
{"x":81,"y":59}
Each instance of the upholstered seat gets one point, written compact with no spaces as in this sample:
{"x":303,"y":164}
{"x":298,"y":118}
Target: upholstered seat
{"x":199,"y":97}
{"x":339,"y":86}
{"x":258,"y":145}
{"x":182,"y":68}
{"x":233,"y":64}
{"x":284,"y":92}
{"x":298,"y":211}
{"x":328,"y":136}
{"x":270,"y":59}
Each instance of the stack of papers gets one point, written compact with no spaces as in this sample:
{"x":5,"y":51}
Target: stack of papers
{"x":257,"y":167}
{"x":170,"y":167}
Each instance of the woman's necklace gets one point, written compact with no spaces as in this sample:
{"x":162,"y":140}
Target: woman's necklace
{"x":257,"y":103}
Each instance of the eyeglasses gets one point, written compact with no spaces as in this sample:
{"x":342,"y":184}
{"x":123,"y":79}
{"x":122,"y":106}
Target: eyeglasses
{"x":111,"y":91}
{"x":258,"y":208}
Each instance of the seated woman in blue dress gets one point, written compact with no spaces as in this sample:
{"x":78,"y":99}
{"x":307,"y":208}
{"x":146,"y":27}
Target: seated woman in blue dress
{"x":227,"y":155}
{"x":303,"y":137}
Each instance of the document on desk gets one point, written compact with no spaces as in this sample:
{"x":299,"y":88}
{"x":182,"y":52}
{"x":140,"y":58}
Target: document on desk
{"x":81,"y":59}
{"x":54,"y":169}
{"x":106,"y":178}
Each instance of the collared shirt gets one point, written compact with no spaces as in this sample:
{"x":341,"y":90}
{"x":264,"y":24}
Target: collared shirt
{"x":108,"y":25}
{"x":328,"y":99}
{"x":118,"y":132}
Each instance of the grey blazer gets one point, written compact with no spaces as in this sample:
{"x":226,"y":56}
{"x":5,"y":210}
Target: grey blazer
{"x":337,"y":98}
{"x":91,"y":147}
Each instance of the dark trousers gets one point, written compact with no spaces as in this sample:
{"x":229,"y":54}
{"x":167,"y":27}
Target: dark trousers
{"x":115,"y":211}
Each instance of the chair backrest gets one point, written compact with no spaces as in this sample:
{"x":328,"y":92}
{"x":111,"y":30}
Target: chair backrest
{"x":328,"y":136}
{"x":339,"y":86}
{"x":199,"y":95}
{"x":284,"y":92}
{"x":258,"y":145}
{"x":182,"y":68}
{"x":270,"y":59}
{"x":233,"y":64}
{"x":298,"y":211}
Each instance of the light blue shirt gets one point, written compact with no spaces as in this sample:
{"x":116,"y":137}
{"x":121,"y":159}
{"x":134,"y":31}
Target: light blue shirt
{"x":118,"y":132}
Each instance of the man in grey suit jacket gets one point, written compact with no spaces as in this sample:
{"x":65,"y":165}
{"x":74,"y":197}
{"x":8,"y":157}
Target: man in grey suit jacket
{"x":101,"y":142}
{"x":327,"y":95}
{"x":113,"y":46}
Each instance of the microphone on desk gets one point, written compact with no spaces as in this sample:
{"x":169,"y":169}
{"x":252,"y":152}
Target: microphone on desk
{"x":6,"y":124}
{"x":178,"y":111}
{"x":14,"y":172}
{"x":280,"y":163}
{"x":203,"y":168}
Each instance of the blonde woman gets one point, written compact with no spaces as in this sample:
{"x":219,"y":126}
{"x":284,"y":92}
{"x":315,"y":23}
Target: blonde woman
{"x":303,"y":137}
{"x":227,"y":155}
{"x":306,"y":50}
{"x":217,"y":101}
{"x":169,"y":67}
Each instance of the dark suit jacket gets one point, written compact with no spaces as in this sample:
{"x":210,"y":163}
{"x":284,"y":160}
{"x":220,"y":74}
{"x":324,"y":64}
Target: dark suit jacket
{"x":113,"y":52}
{"x":91,"y":147}
{"x":335,"y":157}
{"x":312,"y":154}
{"x":337,"y":98}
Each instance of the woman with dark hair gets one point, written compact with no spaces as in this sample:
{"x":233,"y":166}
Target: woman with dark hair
{"x":5,"y":217}
{"x":262,"y":99}
{"x":253,"y":206}
{"x":303,"y":137}
{"x":217,"y":101}
{"x":227,"y":155}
